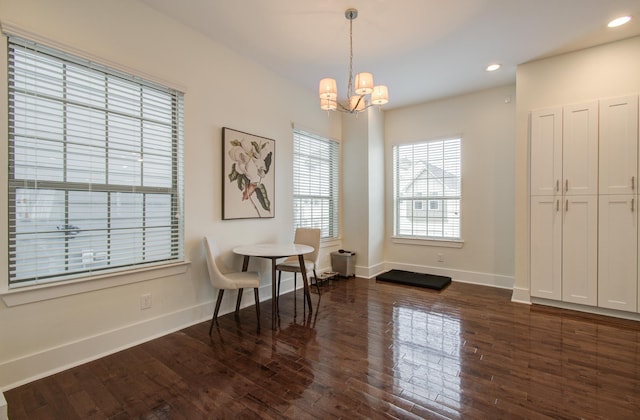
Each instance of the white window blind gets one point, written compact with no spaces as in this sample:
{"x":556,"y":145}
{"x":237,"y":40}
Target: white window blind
{"x":424,"y":173}
{"x":315,"y":183}
{"x":95,"y":167}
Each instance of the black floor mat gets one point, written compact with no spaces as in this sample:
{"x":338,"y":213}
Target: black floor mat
{"x":430,"y":281}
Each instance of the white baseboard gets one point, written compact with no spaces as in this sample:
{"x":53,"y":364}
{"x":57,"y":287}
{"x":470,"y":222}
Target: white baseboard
{"x":484,"y":279}
{"x":370,"y":272}
{"x":587,"y":309}
{"x":38,"y":365}
{"x":28,"y":368}
{"x":521,"y":295}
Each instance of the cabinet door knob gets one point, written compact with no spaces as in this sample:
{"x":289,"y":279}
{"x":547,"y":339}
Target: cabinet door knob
{"x":633,"y":183}
{"x":633,"y":202}
{"x":557,"y":205}
{"x":566,"y":205}
{"x":566,"y":185}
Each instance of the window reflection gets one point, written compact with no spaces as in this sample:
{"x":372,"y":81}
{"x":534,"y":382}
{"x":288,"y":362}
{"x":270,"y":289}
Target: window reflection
{"x":426,"y":349}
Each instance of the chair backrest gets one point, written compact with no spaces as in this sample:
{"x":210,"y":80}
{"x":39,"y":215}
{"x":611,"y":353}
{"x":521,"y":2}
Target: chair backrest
{"x":311,"y":237}
{"x":216,"y":277}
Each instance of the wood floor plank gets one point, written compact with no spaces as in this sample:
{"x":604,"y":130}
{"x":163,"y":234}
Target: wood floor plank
{"x":369,"y":350}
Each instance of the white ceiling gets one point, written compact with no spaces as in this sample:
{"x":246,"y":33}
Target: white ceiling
{"x":421,"y":49}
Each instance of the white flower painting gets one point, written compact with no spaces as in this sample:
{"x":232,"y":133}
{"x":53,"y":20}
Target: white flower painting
{"x":248,"y":175}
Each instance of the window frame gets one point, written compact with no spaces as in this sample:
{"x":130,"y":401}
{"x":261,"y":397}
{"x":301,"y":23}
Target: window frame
{"x":399,"y":236}
{"x":330,"y":225}
{"x":175,"y":192}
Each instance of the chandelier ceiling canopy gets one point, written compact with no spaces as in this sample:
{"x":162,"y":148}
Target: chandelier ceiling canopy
{"x":360,"y":95}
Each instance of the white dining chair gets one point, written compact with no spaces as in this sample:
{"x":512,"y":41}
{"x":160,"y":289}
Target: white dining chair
{"x":303,"y":236}
{"x":238,"y":280}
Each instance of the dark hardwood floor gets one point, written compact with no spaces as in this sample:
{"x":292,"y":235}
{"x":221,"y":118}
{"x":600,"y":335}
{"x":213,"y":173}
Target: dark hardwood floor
{"x":370,"y":350}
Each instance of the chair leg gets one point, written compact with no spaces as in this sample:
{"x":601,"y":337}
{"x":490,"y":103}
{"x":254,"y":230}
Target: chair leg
{"x":238,"y":301}
{"x":257,"y":297}
{"x":315,"y":276}
{"x":278,"y":288}
{"x":215,"y":312}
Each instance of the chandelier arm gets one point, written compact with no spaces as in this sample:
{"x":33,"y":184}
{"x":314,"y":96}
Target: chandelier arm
{"x":342,"y":108}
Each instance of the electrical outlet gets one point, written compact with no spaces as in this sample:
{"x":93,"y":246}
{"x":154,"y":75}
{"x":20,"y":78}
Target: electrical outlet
{"x":440,"y":257}
{"x":145,"y":301}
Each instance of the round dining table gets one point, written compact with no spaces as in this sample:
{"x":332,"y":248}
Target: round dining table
{"x":275,"y":251}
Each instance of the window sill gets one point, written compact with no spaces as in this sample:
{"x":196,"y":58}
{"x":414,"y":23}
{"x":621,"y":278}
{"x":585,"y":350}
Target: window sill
{"x":442,"y":243}
{"x":40,"y":293}
{"x":328,"y":243}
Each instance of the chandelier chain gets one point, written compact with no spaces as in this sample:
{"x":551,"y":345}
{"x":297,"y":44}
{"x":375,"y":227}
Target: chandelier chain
{"x":350,"y":86}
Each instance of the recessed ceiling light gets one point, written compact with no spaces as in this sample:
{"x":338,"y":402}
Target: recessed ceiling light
{"x":619,"y":21}
{"x":493,"y":67}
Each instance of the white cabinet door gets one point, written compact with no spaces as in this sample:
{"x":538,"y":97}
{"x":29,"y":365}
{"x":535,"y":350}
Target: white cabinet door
{"x":619,"y":145}
{"x":580,"y":250}
{"x":618,"y":252}
{"x":546,"y":247}
{"x":546,"y":151}
{"x":580,"y":149}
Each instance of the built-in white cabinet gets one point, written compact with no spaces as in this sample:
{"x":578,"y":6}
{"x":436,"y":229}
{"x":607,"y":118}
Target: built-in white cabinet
{"x":564,"y":206}
{"x":618,"y":250}
{"x":584,"y":203}
{"x":618,"y":201}
{"x":546,"y":196}
{"x":580,"y":149}
{"x":546,"y":247}
{"x":546,"y":151}
{"x":580,"y":249}
{"x":619,"y":145}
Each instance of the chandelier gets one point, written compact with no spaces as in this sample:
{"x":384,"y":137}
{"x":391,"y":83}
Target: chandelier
{"x":361,"y":95}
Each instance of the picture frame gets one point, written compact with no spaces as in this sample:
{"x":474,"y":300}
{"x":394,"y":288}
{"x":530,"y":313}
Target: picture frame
{"x":248,"y":178}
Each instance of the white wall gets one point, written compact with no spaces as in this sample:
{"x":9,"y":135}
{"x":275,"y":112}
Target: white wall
{"x":604,"y":71}
{"x":222,"y":89}
{"x":375,"y":177}
{"x":363,"y":187}
{"x":355,"y":186}
{"x":486,"y":123}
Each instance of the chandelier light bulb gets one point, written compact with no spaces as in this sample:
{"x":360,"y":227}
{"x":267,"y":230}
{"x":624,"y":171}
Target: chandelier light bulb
{"x":364,"y":83}
{"x":328,"y":89}
{"x":380,"y":95}
{"x":357,"y":103}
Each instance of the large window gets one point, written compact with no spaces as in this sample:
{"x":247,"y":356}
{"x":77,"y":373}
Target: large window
{"x":315,"y":183}
{"x":95,"y":168}
{"x":423,"y":173}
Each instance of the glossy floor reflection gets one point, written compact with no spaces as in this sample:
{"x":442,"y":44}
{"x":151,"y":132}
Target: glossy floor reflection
{"x":369,"y":350}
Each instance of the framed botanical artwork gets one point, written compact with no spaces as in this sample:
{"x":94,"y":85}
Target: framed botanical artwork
{"x":248,"y":181}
